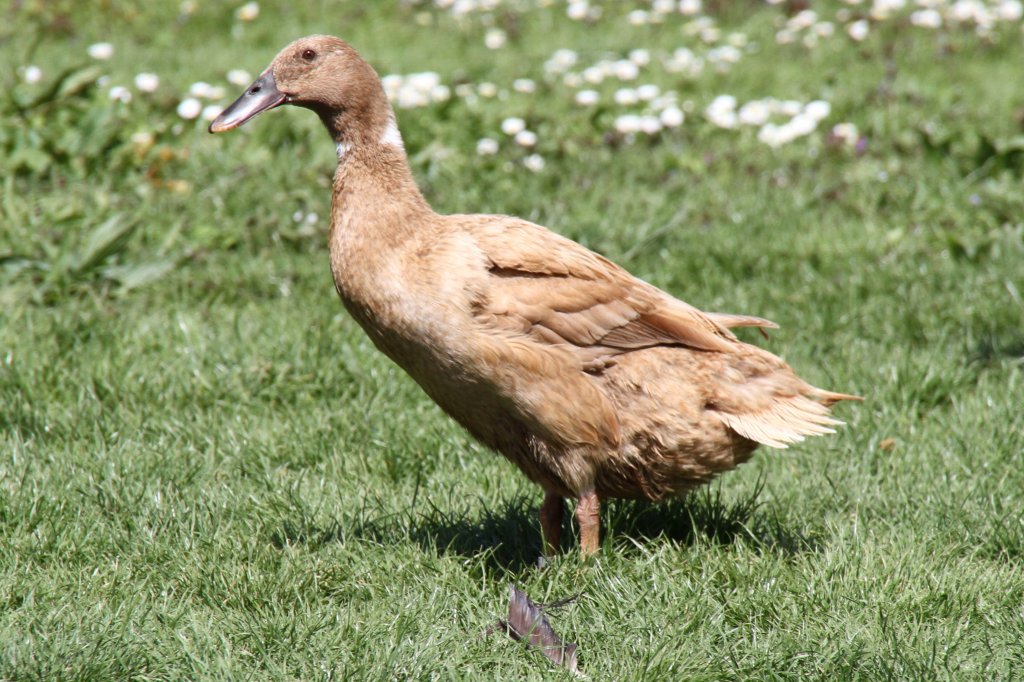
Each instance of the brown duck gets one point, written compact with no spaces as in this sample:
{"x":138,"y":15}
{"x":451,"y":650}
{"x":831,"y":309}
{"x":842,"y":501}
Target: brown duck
{"x":593,"y":382}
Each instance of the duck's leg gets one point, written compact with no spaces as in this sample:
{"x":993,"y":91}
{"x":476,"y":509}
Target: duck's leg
{"x":588,"y":515}
{"x":551,"y":522}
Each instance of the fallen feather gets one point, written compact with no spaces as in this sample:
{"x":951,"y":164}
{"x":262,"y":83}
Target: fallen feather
{"x":526,"y":623}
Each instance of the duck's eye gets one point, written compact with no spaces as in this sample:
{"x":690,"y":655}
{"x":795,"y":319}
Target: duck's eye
{"x":309,"y":55}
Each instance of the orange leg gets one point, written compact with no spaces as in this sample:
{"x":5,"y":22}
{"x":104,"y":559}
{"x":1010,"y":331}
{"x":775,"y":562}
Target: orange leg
{"x":551,"y":522}
{"x":588,"y":515}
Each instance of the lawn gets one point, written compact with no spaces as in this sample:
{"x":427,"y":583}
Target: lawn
{"x":208,"y":472}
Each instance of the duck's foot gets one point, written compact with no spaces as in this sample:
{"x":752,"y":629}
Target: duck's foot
{"x":588,"y":515}
{"x":551,"y":522}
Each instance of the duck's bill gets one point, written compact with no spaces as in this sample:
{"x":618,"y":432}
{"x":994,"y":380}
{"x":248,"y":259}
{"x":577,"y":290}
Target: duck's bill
{"x":258,"y":97}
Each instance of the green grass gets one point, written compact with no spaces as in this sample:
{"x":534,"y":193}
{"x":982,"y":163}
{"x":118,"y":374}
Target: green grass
{"x":207,"y":472}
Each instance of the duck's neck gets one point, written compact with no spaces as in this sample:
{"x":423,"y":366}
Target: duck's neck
{"x":376,"y":198}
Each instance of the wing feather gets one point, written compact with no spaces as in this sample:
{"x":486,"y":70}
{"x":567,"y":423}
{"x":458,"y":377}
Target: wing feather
{"x":565,"y":293}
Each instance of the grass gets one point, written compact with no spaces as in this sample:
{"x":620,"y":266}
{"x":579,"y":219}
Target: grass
{"x":207,"y":472}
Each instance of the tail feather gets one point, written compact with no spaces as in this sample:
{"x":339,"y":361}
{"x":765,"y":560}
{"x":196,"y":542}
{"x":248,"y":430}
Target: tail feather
{"x":786,"y":421}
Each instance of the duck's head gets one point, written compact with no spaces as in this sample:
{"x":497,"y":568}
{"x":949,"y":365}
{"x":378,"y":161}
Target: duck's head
{"x":322,"y":73}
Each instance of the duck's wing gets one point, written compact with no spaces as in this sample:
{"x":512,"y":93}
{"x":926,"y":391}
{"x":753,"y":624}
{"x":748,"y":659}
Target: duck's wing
{"x":559,"y":292}
{"x":548,"y":309}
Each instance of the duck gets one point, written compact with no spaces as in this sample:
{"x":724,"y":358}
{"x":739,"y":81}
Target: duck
{"x":593,"y":382}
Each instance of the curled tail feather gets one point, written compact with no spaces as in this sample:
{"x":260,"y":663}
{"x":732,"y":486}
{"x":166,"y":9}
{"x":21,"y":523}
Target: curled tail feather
{"x":730,"y":321}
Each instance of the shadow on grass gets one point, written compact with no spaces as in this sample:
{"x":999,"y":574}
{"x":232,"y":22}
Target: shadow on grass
{"x":993,"y":348}
{"x":508,"y":535}
{"x":705,"y":516}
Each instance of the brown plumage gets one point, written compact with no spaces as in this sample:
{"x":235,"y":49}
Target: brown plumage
{"x":593,"y":382}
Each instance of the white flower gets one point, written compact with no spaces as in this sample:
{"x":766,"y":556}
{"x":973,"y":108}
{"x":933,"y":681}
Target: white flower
{"x":774,"y":135}
{"x":648,"y":92}
{"x":825,"y":29}
{"x":858,"y":30}
{"x":411,"y":98}
{"x":587,"y":98}
{"x":684,"y":56}
{"x":692,"y":28}
{"x":818,"y":110}
{"x":392,"y":83}
{"x":1010,"y":10}
{"x":572,"y":80}
{"x":440,"y":93}
{"x":801,"y":20}
{"x":211,"y":111}
{"x":738,"y":40}
{"x":101,"y":50}
{"x":846,"y":133}
{"x":723,"y":119}
{"x":495,"y":38}
{"x":627,"y":124}
{"x":881,"y":9}
{"x":486,"y":146}
{"x":724,"y":54}
{"x":626,"y":97}
{"x":32,"y":74}
{"x":239,"y":77}
{"x":789,"y":107}
{"x":663,"y":6}
{"x":802,"y":124}
{"x":577,"y":10}
{"x":723,"y":103}
{"x":562,"y":60}
{"x":684,"y":61}
{"x":423,"y":81}
{"x":248,"y":12}
{"x":200,"y":89}
{"x":189,"y":108}
{"x":142,"y":138}
{"x":689,"y":7}
{"x":534,"y":162}
{"x":120,"y":93}
{"x":785,"y":37}
{"x":926,"y":18}
{"x":672,"y":117}
{"x":710,"y":34}
{"x":593,"y":74}
{"x":524,"y":85}
{"x":754,"y":113}
{"x":513,"y":125}
{"x":650,"y":124}
{"x":640,"y":57}
{"x":638,"y":17}
{"x":668,"y":99}
{"x":147,"y":82}
{"x":460,"y":7}
{"x":625,"y":70}
{"x":526,"y":138}
{"x":722,"y":111}
{"x":486,"y":89}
